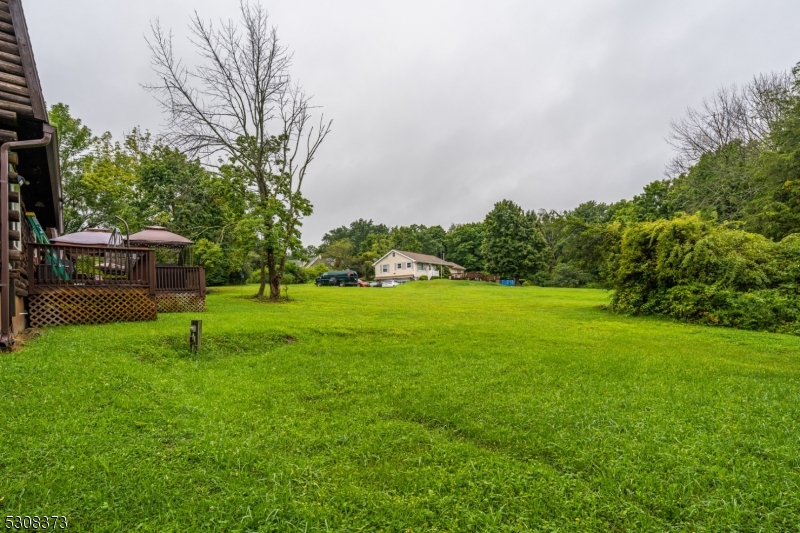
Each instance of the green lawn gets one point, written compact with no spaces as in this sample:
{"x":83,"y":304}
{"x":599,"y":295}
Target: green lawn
{"x":439,"y":406}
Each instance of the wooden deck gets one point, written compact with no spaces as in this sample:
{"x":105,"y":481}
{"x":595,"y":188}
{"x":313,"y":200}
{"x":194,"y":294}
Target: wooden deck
{"x":475,"y":276}
{"x":100,"y":284}
{"x":180,"y":289}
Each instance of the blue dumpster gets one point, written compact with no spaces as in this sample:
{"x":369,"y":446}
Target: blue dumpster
{"x":507,"y":282}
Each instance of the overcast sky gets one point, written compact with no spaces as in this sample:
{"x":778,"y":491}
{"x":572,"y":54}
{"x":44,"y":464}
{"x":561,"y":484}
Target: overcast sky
{"x":442,"y":108}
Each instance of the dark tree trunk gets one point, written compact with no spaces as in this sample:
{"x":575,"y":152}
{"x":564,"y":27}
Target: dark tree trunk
{"x":260,"y":293}
{"x":274,"y":277}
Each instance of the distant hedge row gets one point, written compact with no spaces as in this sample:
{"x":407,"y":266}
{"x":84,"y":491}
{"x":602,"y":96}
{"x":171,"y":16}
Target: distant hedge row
{"x":700,"y":271}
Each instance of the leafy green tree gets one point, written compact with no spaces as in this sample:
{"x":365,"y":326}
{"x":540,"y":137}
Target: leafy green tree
{"x":342,"y":253}
{"x":110,"y":180}
{"x":241,"y":103}
{"x":720,"y":185}
{"x":212,"y":257}
{"x":431,"y":240}
{"x":406,"y":238}
{"x":76,"y":144}
{"x":181,"y":194}
{"x":463,"y":243}
{"x":775,"y":210}
{"x":419,"y":238}
{"x":373,"y":248}
{"x":357,"y":233}
{"x":361,"y":229}
{"x":513,"y":246}
{"x":336,"y":234}
{"x":655,"y":203}
{"x":591,"y":212}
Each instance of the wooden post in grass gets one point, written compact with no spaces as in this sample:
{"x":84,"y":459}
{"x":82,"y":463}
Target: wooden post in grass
{"x":195,"y":335}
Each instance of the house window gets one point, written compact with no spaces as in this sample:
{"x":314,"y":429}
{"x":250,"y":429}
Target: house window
{"x":399,"y":266}
{"x":408,"y":265}
{"x":385,"y":269}
{"x":420,"y":267}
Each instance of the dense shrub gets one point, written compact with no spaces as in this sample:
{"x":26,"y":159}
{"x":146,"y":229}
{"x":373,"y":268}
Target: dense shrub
{"x":699,"y":271}
{"x":423,"y":278}
{"x":566,"y":275}
{"x":314,"y":272}
{"x":211,"y":257}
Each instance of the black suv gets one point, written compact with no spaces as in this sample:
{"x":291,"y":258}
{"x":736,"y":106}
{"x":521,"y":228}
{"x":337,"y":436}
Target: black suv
{"x":338,"y":277}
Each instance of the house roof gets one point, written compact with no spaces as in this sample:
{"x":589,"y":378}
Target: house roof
{"x":23,"y":117}
{"x":421,"y":258}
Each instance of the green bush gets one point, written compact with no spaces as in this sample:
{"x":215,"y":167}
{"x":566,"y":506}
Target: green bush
{"x":539,"y":279}
{"x":699,"y":271}
{"x":423,"y":278}
{"x":566,"y":275}
{"x":211,"y":257}
{"x":314,"y":272}
{"x":255,"y":277}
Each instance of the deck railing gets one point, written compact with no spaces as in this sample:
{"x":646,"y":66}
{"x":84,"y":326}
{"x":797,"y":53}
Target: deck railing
{"x":474,"y":276}
{"x":51,"y":265}
{"x":180,"y":279}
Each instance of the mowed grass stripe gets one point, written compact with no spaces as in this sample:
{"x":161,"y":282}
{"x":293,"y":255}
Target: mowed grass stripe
{"x":440,"y":406}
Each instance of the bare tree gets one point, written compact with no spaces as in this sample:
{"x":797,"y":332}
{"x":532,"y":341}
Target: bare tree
{"x":732,"y":113}
{"x":240,"y":102}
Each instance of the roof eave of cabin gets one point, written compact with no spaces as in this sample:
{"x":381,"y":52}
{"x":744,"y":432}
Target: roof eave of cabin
{"x":28,"y":61}
{"x":54,"y":167}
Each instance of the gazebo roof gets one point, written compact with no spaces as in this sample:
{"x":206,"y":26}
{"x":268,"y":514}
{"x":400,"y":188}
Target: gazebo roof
{"x":158,"y":236}
{"x":90,"y":237}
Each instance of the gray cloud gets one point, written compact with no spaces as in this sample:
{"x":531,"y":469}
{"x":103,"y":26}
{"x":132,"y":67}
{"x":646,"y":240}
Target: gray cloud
{"x":442,"y":108}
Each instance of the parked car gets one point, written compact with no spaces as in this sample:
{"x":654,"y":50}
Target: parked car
{"x":390,"y":283}
{"x":374,"y":283}
{"x":339,"y":278}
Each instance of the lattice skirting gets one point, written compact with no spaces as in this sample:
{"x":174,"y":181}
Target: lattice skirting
{"x":89,"y":305}
{"x":180,"y":302}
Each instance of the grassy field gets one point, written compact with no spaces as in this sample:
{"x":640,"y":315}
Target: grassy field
{"x":439,"y":406}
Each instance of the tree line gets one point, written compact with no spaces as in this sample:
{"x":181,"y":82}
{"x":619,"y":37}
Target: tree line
{"x":715,"y":241}
{"x":229,"y":169}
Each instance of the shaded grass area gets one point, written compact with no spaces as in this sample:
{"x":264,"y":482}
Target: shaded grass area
{"x":438,"y":406}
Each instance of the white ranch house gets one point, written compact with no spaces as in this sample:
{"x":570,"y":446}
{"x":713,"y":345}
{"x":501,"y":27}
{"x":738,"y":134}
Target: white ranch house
{"x":400,"y":265}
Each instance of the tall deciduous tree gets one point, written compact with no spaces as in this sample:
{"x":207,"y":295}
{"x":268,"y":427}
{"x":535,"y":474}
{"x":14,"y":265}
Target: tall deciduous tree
{"x":240,"y":102}
{"x":341,"y":252}
{"x":744,"y":114}
{"x":357,"y":233}
{"x":513,"y":246}
{"x":76,"y":144}
{"x":463,"y":242}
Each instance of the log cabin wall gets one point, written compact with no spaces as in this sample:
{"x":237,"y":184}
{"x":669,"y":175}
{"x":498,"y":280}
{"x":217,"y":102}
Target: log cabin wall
{"x":23,"y":116}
